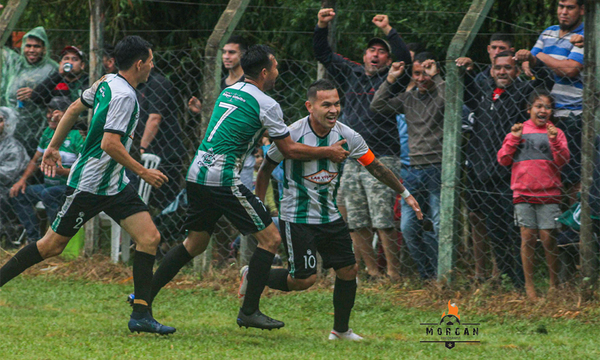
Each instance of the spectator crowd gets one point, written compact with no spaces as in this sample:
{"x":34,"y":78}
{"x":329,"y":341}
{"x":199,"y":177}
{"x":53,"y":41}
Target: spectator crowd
{"x":522,"y":138}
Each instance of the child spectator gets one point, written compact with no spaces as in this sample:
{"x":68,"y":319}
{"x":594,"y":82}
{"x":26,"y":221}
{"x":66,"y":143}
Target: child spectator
{"x":536,"y":150}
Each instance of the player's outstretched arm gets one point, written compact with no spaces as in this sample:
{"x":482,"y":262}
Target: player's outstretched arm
{"x":51,"y":155}
{"x":386,"y":176}
{"x":263,"y":177}
{"x":111,"y":144}
{"x":296,"y":151}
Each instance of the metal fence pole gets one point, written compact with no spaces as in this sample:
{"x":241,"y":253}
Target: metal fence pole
{"x":449,"y":212}
{"x":591,"y":114}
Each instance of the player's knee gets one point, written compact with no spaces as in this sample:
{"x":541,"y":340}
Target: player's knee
{"x":155,"y":238}
{"x":348,"y":272}
{"x":303,"y":284}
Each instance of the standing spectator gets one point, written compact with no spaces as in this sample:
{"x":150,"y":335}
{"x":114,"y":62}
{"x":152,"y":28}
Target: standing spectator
{"x":424,"y":115}
{"x":565,"y":59}
{"x":70,"y":80}
{"x":369,"y":204}
{"x":108,"y":59}
{"x":536,"y":150}
{"x":51,"y":192}
{"x":13,"y":160}
{"x":498,"y":43}
{"x":497,"y":104}
{"x":30,"y":69}
{"x":161,"y":134}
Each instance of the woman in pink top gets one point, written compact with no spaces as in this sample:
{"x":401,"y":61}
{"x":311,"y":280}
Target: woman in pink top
{"x":536,"y":150}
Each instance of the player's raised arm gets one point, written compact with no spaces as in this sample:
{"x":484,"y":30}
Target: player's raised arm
{"x":293,"y":150}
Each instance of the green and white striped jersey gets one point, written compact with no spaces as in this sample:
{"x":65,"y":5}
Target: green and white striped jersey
{"x":242,"y":112}
{"x":310,"y":187}
{"x":69,"y":150}
{"x":116,"y":110}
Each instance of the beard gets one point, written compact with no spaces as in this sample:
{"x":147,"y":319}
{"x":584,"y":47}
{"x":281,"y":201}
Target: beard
{"x":569,"y":27}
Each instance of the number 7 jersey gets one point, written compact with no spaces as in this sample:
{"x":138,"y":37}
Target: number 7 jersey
{"x":242,"y":113}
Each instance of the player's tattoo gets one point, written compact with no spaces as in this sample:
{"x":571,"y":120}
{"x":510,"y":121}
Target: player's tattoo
{"x":385,"y":175}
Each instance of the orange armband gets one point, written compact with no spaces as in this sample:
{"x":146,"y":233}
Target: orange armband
{"x":367,"y":158}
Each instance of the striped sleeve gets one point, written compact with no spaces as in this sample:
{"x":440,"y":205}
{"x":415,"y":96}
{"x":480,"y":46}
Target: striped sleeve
{"x":272,"y":119}
{"x":119,"y":113}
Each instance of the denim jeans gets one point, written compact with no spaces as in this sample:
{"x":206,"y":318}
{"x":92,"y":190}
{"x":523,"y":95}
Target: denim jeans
{"x":52,"y":197}
{"x":424,"y":183}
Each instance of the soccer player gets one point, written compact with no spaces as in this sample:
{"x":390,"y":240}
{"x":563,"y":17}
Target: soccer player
{"x":241,"y":114}
{"x":309,"y":217}
{"x":97,"y":181}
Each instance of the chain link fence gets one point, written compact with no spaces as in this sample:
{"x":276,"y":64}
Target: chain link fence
{"x":509,"y":184}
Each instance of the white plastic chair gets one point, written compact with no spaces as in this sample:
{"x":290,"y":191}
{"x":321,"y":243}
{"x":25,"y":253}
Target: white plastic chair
{"x":150,"y":161}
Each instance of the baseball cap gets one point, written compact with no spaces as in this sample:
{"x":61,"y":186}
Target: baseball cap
{"x":74,"y":49}
{"x":380,"y":41}
{"x":59,"y":103}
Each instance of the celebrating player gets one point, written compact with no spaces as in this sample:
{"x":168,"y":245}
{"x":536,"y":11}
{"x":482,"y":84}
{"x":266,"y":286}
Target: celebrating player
{"x":97,"y":181}
{"x":309,"y":217}
{"x":242,"y":113}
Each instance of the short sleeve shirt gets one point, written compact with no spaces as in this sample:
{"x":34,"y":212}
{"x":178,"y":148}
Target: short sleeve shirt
{"x":241,"y":115}
{"x":567,"y":92}
{"x":116,"y":110}
{"x":310,"y":187}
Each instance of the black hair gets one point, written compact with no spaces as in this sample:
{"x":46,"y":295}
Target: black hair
{"x":37,"y":38}
{"x":416,"y":47}
{"x":504,"y":38}
{"x":422,"y":56}
{"x":242,"y":43}
{"x":108,"y":50}
{"x":505,"y":53}
{"x":131,"y":49}
{"x":256,"y":58}
{"x":319,"y":85}
{"x":538,"y":93}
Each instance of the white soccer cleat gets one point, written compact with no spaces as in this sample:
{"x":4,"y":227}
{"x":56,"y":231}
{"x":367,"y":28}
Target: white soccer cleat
{"x":243,"y":282}
{"x":348,"y":335}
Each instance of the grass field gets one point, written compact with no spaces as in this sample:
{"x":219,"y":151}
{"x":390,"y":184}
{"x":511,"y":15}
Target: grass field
{"x":58,"y":317}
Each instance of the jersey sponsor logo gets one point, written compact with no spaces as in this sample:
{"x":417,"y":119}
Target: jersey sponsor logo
{"x":322,"y":177}
{"x":233,"y":96}
{"x":207,"y":159}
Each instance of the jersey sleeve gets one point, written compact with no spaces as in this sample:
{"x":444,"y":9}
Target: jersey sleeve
{"x":357,"y":146}
{"x":272,"y":119}
{"x":274,"y":155}
{"x":119,"y":113}
{"x":87,"y":97}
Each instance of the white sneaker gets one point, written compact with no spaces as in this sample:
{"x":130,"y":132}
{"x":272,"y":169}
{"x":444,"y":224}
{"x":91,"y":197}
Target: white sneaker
{"x":348,"y":335}
{"x":243,"y":282}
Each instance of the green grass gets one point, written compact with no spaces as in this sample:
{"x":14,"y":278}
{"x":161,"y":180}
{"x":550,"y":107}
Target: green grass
{"x":46,"y":317}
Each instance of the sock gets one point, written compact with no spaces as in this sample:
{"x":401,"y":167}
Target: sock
{"x":142,"y":280}
{"x":344,"y":294}
{"x":258,"y":273}
{"x":175,"y":259}
{"x":278,"y":279}
{"x":24,"y":259}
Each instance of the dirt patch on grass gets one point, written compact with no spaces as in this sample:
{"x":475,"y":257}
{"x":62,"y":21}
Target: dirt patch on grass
{"x":471,"y":299}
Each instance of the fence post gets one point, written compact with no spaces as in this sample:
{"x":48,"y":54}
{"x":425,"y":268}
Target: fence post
{"x":212,"y":53}
{"x":449,"y":211}
{"x":10,"y":15}
{"x":212,"y":77}
{"x":591,"y":114}
{"x":92,"y":227}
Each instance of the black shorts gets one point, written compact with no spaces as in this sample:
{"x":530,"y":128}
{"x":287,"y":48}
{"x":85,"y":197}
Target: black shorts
{"x":302,"y":241}
{"x":239,"y":205}
{"x":80,"y":206}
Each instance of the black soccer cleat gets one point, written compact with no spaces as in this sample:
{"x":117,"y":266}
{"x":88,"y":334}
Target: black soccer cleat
{"x":258,"y":320}
{"x":150,"y":325}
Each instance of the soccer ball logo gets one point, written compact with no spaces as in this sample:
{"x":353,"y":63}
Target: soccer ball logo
{"x":452,"y":318}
